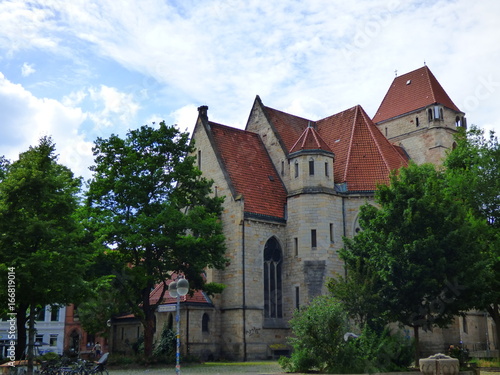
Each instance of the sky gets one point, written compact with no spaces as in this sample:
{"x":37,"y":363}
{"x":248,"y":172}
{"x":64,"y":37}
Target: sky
{"x":82,"y":69}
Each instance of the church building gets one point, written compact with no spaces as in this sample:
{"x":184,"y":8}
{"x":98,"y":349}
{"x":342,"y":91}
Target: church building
{"x":293,"y":188}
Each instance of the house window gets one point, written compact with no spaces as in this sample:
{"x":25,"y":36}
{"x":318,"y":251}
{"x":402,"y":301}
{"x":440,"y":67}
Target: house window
{"x":416,"y":122}
{"x":199,"y":160}
{"x":53,"y":340}
{"x":311,"y":167}
{"x":40,"y":315}
{"x":297,"y":297}
{"x":204,"y":322}
{"x":282,"y":168}
{"x":331,"y":233}
{"x":272,"y":279}
{"x":429,"y":114}
{"x":296,"y":246}
{"x":386,"y":131}
{"x":464,"y":324}
{"x":438,"y":112}
{"x":296,"y":169}
{"x":327,"y":173}
{"x":54,"y":314}
{"x":313,"y":238}
{"x":39,"y":339}
{"x":170,"y":321}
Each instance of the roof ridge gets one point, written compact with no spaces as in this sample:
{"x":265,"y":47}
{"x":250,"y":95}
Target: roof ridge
{"x":429,"y":81}
{"x":351,"y":139}
{"x":377,"y":144}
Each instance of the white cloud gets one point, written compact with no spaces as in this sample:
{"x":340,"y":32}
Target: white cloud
{"x":312,"y":58}
{"x":115,"y":108}
{"x":27,"y":70}
{"x":26,"y":118}
{"x":185,"y":118}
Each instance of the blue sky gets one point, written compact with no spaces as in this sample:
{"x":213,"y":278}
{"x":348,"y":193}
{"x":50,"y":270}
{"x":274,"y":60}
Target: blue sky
{"x":81,"y":69}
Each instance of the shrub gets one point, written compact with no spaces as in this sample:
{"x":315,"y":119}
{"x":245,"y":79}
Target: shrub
{"x":318,"y":336}
{"x":165,"y":347}
{"x":318,"y":343}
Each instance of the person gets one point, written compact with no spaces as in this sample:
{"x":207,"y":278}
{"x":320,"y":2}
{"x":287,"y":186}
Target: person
{"x":97,"y":349}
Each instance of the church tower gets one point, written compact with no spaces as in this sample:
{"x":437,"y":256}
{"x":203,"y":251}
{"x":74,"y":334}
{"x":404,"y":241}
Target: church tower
{"x":418,"y":115}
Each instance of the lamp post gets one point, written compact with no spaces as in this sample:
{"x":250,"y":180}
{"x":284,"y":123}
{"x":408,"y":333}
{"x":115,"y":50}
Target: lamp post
{"x":176,"y":289}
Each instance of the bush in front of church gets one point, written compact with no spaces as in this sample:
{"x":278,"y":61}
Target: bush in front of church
{"x":320,"y":343}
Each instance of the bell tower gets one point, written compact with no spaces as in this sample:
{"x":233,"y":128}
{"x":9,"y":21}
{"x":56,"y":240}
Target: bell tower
{"x":418,"y":115}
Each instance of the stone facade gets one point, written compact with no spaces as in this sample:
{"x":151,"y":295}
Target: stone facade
{"x":279,"y":262}
{"x":426,"y":139}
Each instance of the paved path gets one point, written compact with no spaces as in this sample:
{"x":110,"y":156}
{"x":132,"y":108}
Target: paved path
{"x":249,"y":368}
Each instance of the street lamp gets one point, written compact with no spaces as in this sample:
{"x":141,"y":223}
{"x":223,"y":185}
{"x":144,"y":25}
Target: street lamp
{"x":176,"y":289}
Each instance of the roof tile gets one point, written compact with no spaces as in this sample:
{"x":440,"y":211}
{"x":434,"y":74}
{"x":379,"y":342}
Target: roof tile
{"x":410,"y":92}
{"x":251,"y":170}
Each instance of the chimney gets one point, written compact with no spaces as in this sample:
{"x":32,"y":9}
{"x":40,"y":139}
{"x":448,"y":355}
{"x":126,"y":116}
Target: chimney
{"x":202,"y":112}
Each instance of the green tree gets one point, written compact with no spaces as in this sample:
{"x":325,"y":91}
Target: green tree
{"x":359,"y":292}
{"x":41,"y":239}
{"x":473,"y":169}
{"x":422,"y":244}
{"x":149,"y":205}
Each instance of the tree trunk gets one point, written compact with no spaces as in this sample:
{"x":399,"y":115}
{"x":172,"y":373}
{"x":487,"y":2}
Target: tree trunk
{"x":149,"y":324}
{"x":149,"y":330}
{"x":494,"y":311}
{"x":417,"y":345}
{"x":31,"y":339}
{"x":21,"y":330}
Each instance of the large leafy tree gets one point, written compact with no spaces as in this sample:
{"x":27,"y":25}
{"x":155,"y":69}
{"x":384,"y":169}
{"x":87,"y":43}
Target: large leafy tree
{"x":421,"y":245}
{"x":149,"y":205}
{"x":473,"y":168}
{"x":41,"y":239}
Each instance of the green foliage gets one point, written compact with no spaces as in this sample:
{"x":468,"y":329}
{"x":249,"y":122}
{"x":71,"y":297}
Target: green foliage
{"x":318,"y":333}
{"x":319,"y":343}
{"x":148,"y":202}
{"x":419,"y":243}
{"x":373,"y":352}
{"x":165,"y":347}
{"x":359,"y":293}
{"x":473,"y":169}
{"x":42,"y":238}
{"x":460,"y":353}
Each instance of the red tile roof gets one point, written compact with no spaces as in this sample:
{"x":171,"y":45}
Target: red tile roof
{"x":363,"y":156}
{"x":250,"y":170}
{"x":410,"y":92}
{"x":197,"y":297}
{"x":310,"y":140}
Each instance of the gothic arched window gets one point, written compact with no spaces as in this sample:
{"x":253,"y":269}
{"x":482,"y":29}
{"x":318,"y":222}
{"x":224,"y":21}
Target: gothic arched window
{"x":204,"y":322}
{"x":272,"y":279}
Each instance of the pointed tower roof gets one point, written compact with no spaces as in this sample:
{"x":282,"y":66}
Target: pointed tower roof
{"x":310,"y":140}
{"x":410,"y":92}
{"x":363,"y":156}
